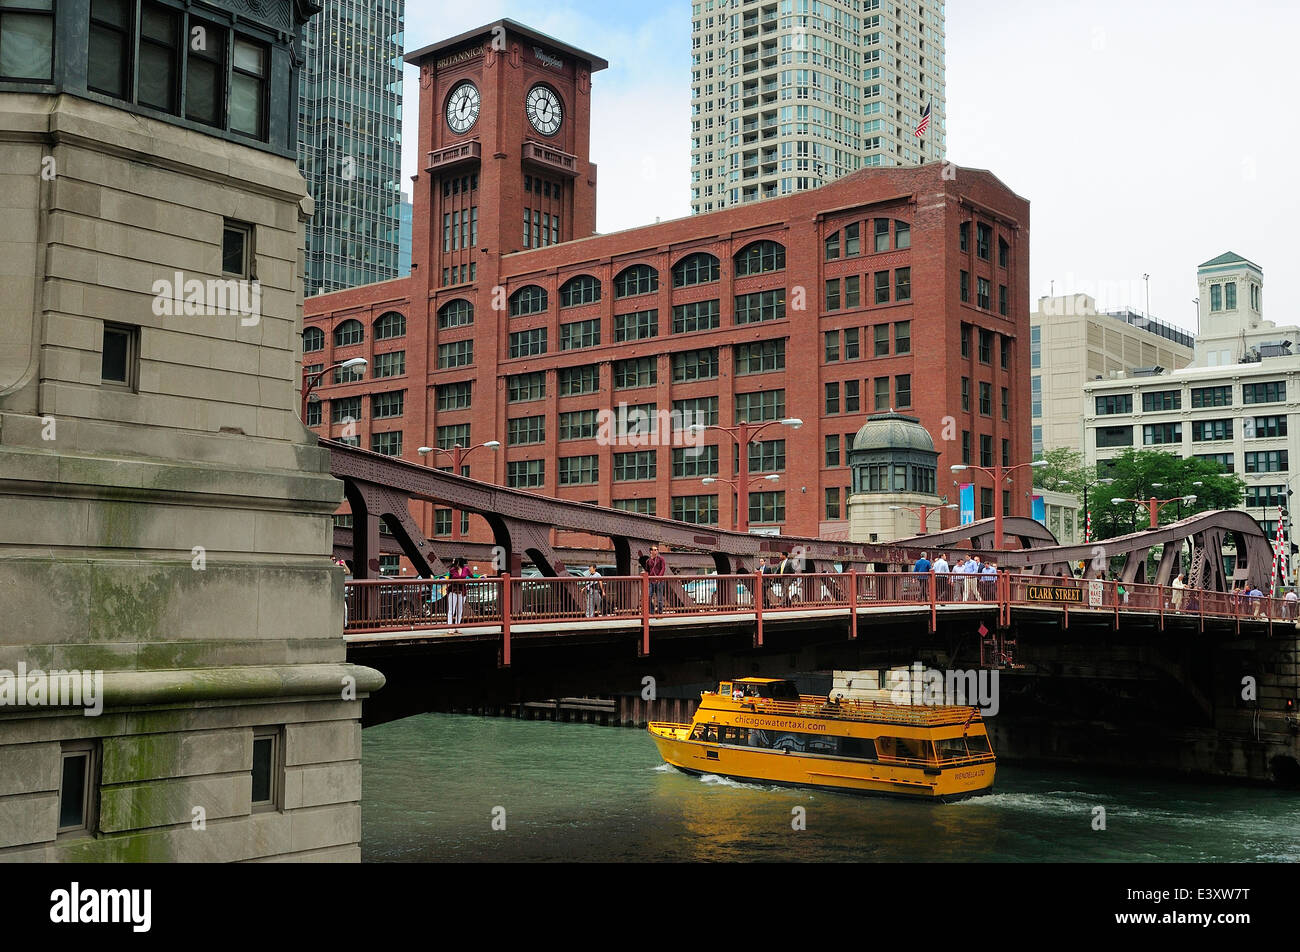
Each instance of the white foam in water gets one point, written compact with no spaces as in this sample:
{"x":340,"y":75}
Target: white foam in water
{"x":663,"y":768}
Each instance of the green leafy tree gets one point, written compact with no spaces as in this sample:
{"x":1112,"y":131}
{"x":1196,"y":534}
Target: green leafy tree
{"x":1142,"y":474}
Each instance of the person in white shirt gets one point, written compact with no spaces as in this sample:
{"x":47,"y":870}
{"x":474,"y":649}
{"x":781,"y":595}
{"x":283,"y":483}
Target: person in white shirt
{"x":1176,"y":599}
{"x":971,"y":588}
{"x":942,"y":589}
{"x":1290,"y":603}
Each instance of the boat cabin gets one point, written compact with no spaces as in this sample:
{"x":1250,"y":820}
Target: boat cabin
{"x":773,"y":689}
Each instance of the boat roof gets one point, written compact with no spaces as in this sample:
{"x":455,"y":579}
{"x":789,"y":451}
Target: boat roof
{"x":758,"y":680}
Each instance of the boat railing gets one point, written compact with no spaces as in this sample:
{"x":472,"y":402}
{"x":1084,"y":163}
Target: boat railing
{"x":945,"y":762}
{"x":904,"y":714}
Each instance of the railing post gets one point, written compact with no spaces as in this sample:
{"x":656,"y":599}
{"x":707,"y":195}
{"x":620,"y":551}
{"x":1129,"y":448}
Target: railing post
{"x":644,"y":648}
{"x":758,"y":610}
{"x":1161,"y":595}
{"x":934,"y":611}
{"x":505,"y":619}
{"x":853,"y":604}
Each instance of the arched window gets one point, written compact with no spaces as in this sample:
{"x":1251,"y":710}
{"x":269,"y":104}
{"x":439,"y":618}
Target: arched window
{"x":760,"y":257}
{"x":313,"y":338}
{"x":832,"y":246}
{"x":584,"y":289}
{"x":638,"y":279}
{"x":349,"y":332}
{"x":390,"y":325}
{"x":529,"y":300}
{"x":455,"y":313}
{"x":698,"y":268}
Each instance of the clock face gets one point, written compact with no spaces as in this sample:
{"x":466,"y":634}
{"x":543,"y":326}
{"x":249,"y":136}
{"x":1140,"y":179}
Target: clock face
{"x":463,"y":107}
{"x":544,"y":110}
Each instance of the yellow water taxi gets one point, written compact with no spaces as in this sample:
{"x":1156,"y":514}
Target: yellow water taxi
{"x":763,"y":729}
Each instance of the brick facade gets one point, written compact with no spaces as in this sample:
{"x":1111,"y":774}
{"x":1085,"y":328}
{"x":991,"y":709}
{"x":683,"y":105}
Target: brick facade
{"x":931,"y":201}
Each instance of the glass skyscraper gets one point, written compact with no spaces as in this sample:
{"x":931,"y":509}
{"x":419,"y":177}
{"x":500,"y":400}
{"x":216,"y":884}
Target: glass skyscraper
{"x":349,"y":141}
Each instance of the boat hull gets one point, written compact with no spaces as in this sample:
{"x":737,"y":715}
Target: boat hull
{"x":818,"y":771}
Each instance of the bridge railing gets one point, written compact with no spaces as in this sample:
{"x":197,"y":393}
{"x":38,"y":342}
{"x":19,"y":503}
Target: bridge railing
{"x":396,"y":604}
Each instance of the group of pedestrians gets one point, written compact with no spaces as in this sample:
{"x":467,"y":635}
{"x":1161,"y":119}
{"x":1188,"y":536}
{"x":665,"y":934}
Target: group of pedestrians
{"x":977,"y":583}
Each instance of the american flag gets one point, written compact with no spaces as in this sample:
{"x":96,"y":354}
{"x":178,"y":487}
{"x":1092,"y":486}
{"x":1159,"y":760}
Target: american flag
{"x":925,"y":121}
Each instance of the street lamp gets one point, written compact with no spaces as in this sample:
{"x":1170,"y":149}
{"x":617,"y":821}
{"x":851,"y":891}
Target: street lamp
{"x":999,"y":473}
{"x":770,"y":477}
{"x":1154,"y":505}
{"x":924,"y":513}
{"x":311,"y":381}
{"x":458,"y":454}
{"x":743,"y":433}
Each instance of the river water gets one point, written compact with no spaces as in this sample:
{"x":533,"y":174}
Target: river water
{"x":436,"y":785}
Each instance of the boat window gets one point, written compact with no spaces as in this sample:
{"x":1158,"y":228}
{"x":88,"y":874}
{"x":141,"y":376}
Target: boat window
{"x":784,"y":691}
{"x":864,"y":748}
{"x":978,"y":744}
{"x":905,"y":747}
{"x":735,"y":735}
{"x":724,"y":688}
{"x":951,"y":748}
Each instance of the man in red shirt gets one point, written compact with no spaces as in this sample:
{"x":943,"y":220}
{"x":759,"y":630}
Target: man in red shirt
{"x":656,"y":568}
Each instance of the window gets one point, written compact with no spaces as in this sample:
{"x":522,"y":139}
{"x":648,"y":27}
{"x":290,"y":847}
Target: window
{"x":986,"y":504}
{"x":1006,"y":404}
{"x":584,"y":289}
{"x":882,"y":393}
{"x":390,"y":444}
{"x":701,"y":410}
{"x":880,"y":335}
{"x":965,"y":447}
{"x":963,"y":232}
{"x":698,"y":268}
{"x":695,"y":462}
{"x":1004,"y":250}
{"x":1155,"y":434}
{"x":120,"y":356}
{"x":1230,"y":296}
{"x":833,"y":502}
{"x":159,"y":57}
{"x":455,"y":354}
{"x":1108,"y":436}
{"x":1264,"y":427}
{"x":833,"y":449}
{"x":313,"y":339}
{"x":903,"y":391}
{"x":833,"y":294}
{"x":348,"y":333}
{"x":27,"y":39}
{"x":965,"y":394}
{"x":759,"y":357}
{"x":851,"y":336}
{"x":1267,"y":461}
{"x":882,"y":234}
{"x":853,"y":240}
{"x":526,"y":474}
{"x":636,"y":372}
{"x":762,"y":306}
{"x":832,"y":398}
{"x":345,"y":409}
{"x":986,"y":450}
{"x":983,"y":239}
{"x":387,"y":405}
{"x":1272,"y":392}
{"x":903,"y":284}
{"x":965,"y":287}
{"x":983,"y":293}
{"x":111,"y":42}
{"x":903,"y":337}
{"x":530,"y":343}
{"x":579,"y":470}
{"x":522,"y":431}
{"x":691,"y":365}
{"x":645,"y":507}
{"x":638,"y":325}
{"x":759,"y":258}
{"x":766,"y":507}
{"x":205,"y":72}
{"x":456,"y":434}
{"x":1265,"y":496}
{"x":1210,"y":429}
{"x":314,"y":413}
{"x":1115,"y":403}
{"x":702,"y":510}
{"x":574,"y":381}
{"x":454,"y":396}
{"x":457,"y":313}
{"x":236,"y":248}
{"x":882,"y":287}
{"x":580,"y":334}
{"x":1002,"y":300}
{"x":986,"y":399}
{"x":391,"y":364}
{"x":521,"y":388}
{"x":852,"y":291}
{"x":79,"y":773}
{"x":389,"y":326}
{"x":852,"y":403}
{"x":1227,"y":462}
{"x":638,"y":279}
{"x":1216,"y":297}
{"x":1157,"y":400}
{"x":578,"y":425}
{"x":760,"y":406}
{"x":1005,"y":343}
{"x":1211,"y":397}
{"x":528,"y":300}
{"x":634,"y":467}
{"x":902,"y":235}
{"x":697,"y":316}
{"x":832,"y":346}
{"x":248,"y":89}
{"x":833,"y":247}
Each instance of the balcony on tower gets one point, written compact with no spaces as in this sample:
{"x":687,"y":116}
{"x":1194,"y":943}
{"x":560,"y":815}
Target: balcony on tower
{"x":551,"y":159}
{"x":453,"y":155}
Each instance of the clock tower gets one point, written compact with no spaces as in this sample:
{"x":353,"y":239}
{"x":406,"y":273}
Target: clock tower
{"x":505,"y":139}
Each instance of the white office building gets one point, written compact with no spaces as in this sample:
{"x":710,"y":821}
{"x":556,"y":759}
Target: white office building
{"x":788,"y":95}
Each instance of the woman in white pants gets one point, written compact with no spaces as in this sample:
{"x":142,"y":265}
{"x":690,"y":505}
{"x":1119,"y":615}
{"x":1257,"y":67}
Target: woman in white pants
{"x":456,"y":591}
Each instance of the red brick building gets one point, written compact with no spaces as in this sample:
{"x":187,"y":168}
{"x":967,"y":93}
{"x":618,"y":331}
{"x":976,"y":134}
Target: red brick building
{"x":903,"y":288}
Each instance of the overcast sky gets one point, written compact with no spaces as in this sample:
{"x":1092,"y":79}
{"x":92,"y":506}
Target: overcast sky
{"x":1148,"y":135}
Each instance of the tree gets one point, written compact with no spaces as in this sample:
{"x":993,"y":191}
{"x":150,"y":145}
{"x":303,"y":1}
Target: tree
{"x":1142,"y":474}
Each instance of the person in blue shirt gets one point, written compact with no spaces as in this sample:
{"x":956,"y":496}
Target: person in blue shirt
{"x":922,"y":564}
{"x":920,"y":588}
